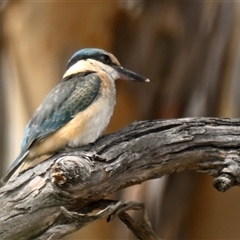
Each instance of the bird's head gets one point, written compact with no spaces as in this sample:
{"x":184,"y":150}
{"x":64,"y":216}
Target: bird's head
{"x":94,"y":59}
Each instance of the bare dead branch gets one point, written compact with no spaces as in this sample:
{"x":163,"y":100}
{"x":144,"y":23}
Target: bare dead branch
{"x":58,"y":196}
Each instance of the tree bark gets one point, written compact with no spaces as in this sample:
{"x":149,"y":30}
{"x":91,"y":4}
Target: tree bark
{"x":57,"y":196}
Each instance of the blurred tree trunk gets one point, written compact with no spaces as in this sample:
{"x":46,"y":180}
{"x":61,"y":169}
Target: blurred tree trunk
{"x":189,"y":50}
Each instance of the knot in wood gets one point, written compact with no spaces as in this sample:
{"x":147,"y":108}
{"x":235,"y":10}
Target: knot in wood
{"x":224,"y":182}
{"x":68,"y":170}
{"x":230,"y":175}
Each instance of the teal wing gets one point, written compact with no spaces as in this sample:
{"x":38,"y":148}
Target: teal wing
{"x":67,"y":99}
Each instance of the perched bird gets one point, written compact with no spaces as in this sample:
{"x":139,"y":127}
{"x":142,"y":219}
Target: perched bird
{"x":77,"y":110}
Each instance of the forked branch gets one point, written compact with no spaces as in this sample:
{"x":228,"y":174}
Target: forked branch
{"x":57,"y":196}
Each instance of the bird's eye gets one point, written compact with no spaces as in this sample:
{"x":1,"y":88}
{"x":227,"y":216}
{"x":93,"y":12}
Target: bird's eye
{"x":105,"y":58}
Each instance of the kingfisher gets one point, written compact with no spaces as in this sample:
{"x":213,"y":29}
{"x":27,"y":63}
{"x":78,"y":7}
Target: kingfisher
{"x":77,"y":110}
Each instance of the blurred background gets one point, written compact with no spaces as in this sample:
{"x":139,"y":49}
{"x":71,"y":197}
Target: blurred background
{"x":190,"y":50}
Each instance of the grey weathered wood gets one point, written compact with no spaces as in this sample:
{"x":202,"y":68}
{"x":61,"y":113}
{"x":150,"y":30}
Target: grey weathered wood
{"x":54,"y":198}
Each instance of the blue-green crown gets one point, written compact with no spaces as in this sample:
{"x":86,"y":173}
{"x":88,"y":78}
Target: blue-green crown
{"x":86,"y":53}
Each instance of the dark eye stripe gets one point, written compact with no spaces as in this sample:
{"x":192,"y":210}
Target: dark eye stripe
{"x":105,"y":59}
{"x":102,"y":57}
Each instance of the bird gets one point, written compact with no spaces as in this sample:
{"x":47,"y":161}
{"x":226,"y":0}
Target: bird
{"x":76,"y":111}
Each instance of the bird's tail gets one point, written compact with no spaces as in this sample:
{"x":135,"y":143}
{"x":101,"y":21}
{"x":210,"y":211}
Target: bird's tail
{"x":14,"y":166}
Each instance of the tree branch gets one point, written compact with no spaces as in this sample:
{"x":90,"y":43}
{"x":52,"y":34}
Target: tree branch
{"x":57,"y":196}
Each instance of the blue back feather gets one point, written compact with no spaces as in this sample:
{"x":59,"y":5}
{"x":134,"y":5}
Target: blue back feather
{"x":70,"y":96}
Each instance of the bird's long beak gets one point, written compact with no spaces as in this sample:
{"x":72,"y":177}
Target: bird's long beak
{"x":126,"y":74}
